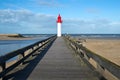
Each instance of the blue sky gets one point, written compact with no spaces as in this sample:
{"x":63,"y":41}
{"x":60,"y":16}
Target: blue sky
{"x":79,"y":16}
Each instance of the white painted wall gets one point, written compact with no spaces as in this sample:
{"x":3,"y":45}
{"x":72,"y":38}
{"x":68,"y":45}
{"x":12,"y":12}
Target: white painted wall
{"x":58,"y":29}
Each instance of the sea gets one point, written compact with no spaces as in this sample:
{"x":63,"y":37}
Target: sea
{"x":7,"y":46}
{"x":96,"y":36}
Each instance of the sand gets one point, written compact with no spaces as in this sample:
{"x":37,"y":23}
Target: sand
{"x":9,"y":64}
{"x":13,"y":37}
{"x":108,"y":48}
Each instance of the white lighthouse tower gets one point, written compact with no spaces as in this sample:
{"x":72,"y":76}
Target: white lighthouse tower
{"x":59,"y":22}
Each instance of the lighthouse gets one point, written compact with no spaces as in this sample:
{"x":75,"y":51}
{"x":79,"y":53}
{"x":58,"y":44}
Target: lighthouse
{"x":59,"y":22}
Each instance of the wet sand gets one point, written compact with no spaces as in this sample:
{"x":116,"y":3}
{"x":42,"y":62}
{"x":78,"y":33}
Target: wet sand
{"x":108,"y":48}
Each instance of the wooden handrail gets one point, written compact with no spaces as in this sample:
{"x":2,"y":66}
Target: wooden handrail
{"x":87,"y":54}
{"x":10,"y":55}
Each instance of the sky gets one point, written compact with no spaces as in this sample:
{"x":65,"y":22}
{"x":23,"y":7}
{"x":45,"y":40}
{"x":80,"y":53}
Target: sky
{"x":79,"y":16}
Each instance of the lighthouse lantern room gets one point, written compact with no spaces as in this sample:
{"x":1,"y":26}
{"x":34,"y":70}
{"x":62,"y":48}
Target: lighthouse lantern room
{"x":59,"y":22}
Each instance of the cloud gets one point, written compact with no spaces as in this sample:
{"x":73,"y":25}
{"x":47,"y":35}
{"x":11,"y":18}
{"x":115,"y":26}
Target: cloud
{"x":14,"y":16}
{"x":49,"y":3}
{"x":25,"y":21}
{"x":99,"y":26}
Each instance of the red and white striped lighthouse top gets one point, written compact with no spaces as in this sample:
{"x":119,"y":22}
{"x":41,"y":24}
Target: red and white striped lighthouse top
{"x":59,"y":19}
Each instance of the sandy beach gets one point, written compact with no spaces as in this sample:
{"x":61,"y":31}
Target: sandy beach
{"x":13,"y":37}
{"x":108,"y":48}
{"x":9,"y":64}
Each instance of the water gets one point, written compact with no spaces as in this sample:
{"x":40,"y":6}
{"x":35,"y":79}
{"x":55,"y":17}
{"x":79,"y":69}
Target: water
{"x":7,"y":46}
{"x":97,"y":36}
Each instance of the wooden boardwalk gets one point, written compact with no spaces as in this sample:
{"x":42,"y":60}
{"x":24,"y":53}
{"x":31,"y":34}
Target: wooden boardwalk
{"x":59,"y":63}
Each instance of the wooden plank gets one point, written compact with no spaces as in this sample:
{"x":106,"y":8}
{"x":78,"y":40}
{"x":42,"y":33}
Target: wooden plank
{"x":59,"y":63}
{"x":6,"y":57}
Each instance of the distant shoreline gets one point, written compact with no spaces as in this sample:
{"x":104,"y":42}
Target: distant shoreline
{"x":13,"y":37}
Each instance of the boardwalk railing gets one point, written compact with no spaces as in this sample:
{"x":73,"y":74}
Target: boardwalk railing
{"x":106,"y":68}
{"x":23,"y":54}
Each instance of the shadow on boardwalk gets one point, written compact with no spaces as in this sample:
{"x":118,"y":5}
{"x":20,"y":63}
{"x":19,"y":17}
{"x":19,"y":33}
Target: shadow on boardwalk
{"x":22,"y":72}
{"x":59,"y":63}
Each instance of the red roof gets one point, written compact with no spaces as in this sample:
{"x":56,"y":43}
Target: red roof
{"x":59,"y":19}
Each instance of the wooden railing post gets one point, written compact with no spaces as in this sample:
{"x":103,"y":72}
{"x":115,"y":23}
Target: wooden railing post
{"x":104,"y":67}
{"x":22,"y":55}
{"x":3,"y":67}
